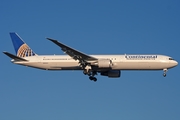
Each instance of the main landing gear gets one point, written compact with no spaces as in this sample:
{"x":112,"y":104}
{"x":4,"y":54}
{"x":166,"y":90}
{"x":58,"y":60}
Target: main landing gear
{"x":93,"y":78}
{"x":91,"y":75}
{"x":88,"y":71}
{"x":165,"y":71}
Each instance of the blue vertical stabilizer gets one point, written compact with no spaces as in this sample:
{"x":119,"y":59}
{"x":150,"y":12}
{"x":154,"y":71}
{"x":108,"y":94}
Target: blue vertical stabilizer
{"x":21,"y":48}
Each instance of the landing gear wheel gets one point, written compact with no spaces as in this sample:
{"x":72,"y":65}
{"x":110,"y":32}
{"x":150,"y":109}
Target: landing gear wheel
{"x":164,"y":74}
{"x":93,"y":78}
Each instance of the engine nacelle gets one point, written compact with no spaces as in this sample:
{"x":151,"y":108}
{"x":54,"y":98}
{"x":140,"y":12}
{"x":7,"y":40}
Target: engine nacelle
{"x":112,"y":73}
{"x":104,"y":63}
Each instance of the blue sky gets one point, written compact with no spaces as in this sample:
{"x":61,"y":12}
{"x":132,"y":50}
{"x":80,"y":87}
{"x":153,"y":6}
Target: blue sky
{"x":93,"y":27}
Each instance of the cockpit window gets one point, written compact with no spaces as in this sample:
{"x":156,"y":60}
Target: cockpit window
{"x":171,"y":59}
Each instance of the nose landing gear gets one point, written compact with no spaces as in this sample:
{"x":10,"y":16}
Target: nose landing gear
{"x":165,"y":71}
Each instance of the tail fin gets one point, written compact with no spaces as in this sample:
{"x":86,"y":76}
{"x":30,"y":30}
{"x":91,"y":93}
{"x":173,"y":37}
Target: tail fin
{"x":21,"y":48}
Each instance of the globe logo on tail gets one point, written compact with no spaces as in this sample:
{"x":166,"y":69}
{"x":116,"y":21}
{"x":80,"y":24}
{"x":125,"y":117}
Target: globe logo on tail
{"x":25,"y":51}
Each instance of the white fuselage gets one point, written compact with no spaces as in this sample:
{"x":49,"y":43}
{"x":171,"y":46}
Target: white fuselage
{"x":120,"y":62}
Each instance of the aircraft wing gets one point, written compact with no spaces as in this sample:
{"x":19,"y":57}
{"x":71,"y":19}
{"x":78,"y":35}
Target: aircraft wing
{"x":75,"y":54}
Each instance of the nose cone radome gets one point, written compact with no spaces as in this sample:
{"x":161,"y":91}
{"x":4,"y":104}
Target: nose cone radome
{"x":174,"y":63}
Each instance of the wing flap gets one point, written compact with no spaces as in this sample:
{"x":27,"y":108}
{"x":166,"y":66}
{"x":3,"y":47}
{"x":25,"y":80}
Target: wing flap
{"x":14,"y":57}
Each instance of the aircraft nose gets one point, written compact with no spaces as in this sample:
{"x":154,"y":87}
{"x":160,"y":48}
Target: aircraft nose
{"x":174,"y":63}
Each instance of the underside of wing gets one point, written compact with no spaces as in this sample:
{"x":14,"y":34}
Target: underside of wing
{"x":75,"y":54}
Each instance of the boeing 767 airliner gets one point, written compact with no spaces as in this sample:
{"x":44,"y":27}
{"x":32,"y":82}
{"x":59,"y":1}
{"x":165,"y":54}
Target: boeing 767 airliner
{"x":106,"y":65}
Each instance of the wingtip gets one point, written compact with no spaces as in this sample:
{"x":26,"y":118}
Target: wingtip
{"x":51,"y":39}
{"x":4,"y":52}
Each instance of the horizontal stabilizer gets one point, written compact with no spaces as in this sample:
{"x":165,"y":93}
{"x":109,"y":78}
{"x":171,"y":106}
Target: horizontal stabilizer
{"x":14,"y":57}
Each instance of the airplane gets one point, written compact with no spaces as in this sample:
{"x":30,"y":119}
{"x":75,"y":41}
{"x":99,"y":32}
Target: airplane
{"x":106,"y":65}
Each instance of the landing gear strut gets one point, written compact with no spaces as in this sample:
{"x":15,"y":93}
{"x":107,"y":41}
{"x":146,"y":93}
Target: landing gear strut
{"x":87,"y":70}
{"x":164,"y":74}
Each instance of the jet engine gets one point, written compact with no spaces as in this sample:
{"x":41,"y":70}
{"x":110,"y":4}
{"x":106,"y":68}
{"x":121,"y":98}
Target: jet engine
{"x":112,"y":73}
{"x":104,"y":63}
